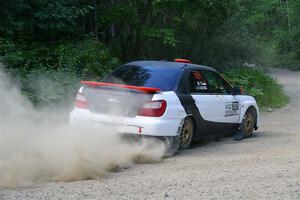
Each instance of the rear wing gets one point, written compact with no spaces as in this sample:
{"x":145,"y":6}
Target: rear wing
{"x":131,"y":87}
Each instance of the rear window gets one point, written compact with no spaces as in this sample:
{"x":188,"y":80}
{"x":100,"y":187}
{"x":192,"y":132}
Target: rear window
{"x":164,"y":78}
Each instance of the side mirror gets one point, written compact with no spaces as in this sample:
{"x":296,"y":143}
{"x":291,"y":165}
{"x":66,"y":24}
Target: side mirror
{"x":238,"y":90}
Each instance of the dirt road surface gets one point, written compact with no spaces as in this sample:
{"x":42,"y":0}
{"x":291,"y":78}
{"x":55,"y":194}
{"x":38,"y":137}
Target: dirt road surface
{"x":266,"y":166}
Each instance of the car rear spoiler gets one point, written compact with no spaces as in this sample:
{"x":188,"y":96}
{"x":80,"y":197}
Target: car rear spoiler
{"x":132,"y":87}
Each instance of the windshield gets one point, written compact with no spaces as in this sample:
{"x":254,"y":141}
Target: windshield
{"x":164,"y":78}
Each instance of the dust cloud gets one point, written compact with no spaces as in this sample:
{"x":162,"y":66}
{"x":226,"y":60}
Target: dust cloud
{"x":38,"y":145}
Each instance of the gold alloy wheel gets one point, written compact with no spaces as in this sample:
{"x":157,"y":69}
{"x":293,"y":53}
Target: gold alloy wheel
{"x":186,"y":134}
{"x":249,"y":124}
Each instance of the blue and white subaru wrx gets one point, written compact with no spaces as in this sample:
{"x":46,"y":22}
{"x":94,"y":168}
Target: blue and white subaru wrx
{"x":177,"y":100}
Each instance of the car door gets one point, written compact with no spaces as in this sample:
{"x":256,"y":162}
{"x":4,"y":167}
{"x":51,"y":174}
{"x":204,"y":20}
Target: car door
{"x":228,"y":107}
{"x":206,"y":104}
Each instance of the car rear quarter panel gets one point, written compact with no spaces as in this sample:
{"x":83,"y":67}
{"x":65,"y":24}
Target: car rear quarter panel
{"x":174,"y":108}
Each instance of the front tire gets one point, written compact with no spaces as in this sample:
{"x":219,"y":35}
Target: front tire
{"x":248,"y":123}
{"x":247,"y":127}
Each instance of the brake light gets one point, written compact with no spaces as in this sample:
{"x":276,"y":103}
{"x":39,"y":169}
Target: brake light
{"x":80,"y":101}
{"x":153,"y":108}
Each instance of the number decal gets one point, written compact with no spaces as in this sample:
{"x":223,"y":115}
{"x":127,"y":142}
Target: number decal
{"x":235,"y":105}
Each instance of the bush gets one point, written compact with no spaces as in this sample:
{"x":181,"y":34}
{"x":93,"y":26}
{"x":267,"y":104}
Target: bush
{"x":89,"y":59}
{"x":51,"y":75}
{"x":267,"y":92}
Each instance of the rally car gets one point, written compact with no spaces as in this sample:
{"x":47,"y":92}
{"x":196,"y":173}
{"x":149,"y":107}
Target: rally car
{"x":176,"y":100}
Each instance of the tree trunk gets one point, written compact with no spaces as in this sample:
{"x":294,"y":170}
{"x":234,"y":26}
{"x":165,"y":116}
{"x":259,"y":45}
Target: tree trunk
{"x":112,"y":26}
{"x":95,"y":18}
{"x":288,"y":15}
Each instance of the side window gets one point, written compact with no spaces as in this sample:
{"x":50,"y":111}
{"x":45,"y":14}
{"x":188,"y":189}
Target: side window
{"x":197,"y":83}
{"x":216,"y":84}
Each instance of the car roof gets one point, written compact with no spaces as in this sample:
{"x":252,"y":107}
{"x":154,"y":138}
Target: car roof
{"x":169,"y":64}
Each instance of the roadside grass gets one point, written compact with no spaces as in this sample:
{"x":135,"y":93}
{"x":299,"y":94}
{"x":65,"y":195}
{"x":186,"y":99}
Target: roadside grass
{"x":256,"y":82}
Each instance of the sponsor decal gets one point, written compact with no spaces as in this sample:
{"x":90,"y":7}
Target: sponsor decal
{"x":231,"y":108}
{"x":201,"y":85}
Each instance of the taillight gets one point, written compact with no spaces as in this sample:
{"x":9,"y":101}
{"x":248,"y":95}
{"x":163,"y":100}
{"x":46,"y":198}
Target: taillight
{"x":153,"y":108}
{"x":80,"y":101}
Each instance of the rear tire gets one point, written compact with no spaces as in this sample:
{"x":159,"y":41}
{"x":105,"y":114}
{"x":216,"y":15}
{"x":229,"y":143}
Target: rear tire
{"x":183,"y":140}
{"x":186,"y":133}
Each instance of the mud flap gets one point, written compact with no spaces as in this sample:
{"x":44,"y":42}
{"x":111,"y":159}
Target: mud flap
{"x":172,"y":145}
{"x":239,"y":135}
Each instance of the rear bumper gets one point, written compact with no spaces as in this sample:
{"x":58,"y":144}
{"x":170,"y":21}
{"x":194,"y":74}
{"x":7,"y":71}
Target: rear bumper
{"x":139,"y":125}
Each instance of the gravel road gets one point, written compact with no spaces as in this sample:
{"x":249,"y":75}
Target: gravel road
{"x":265,"y":166}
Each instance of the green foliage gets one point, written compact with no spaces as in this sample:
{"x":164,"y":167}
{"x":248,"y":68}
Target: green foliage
{"x":89,"y":59}
{"x":41,"y":20}
{"x":51,"y":87}
{"x":257,"y":83}
{"x":50,"y":75}
{"x":58,"y":19}
{"x":167,"y":36}
{"x":276,"y":26}
{"x":86,"y":39}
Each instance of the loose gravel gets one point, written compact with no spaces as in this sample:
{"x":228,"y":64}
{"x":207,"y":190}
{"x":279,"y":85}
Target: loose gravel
{"x":265,"y":166}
